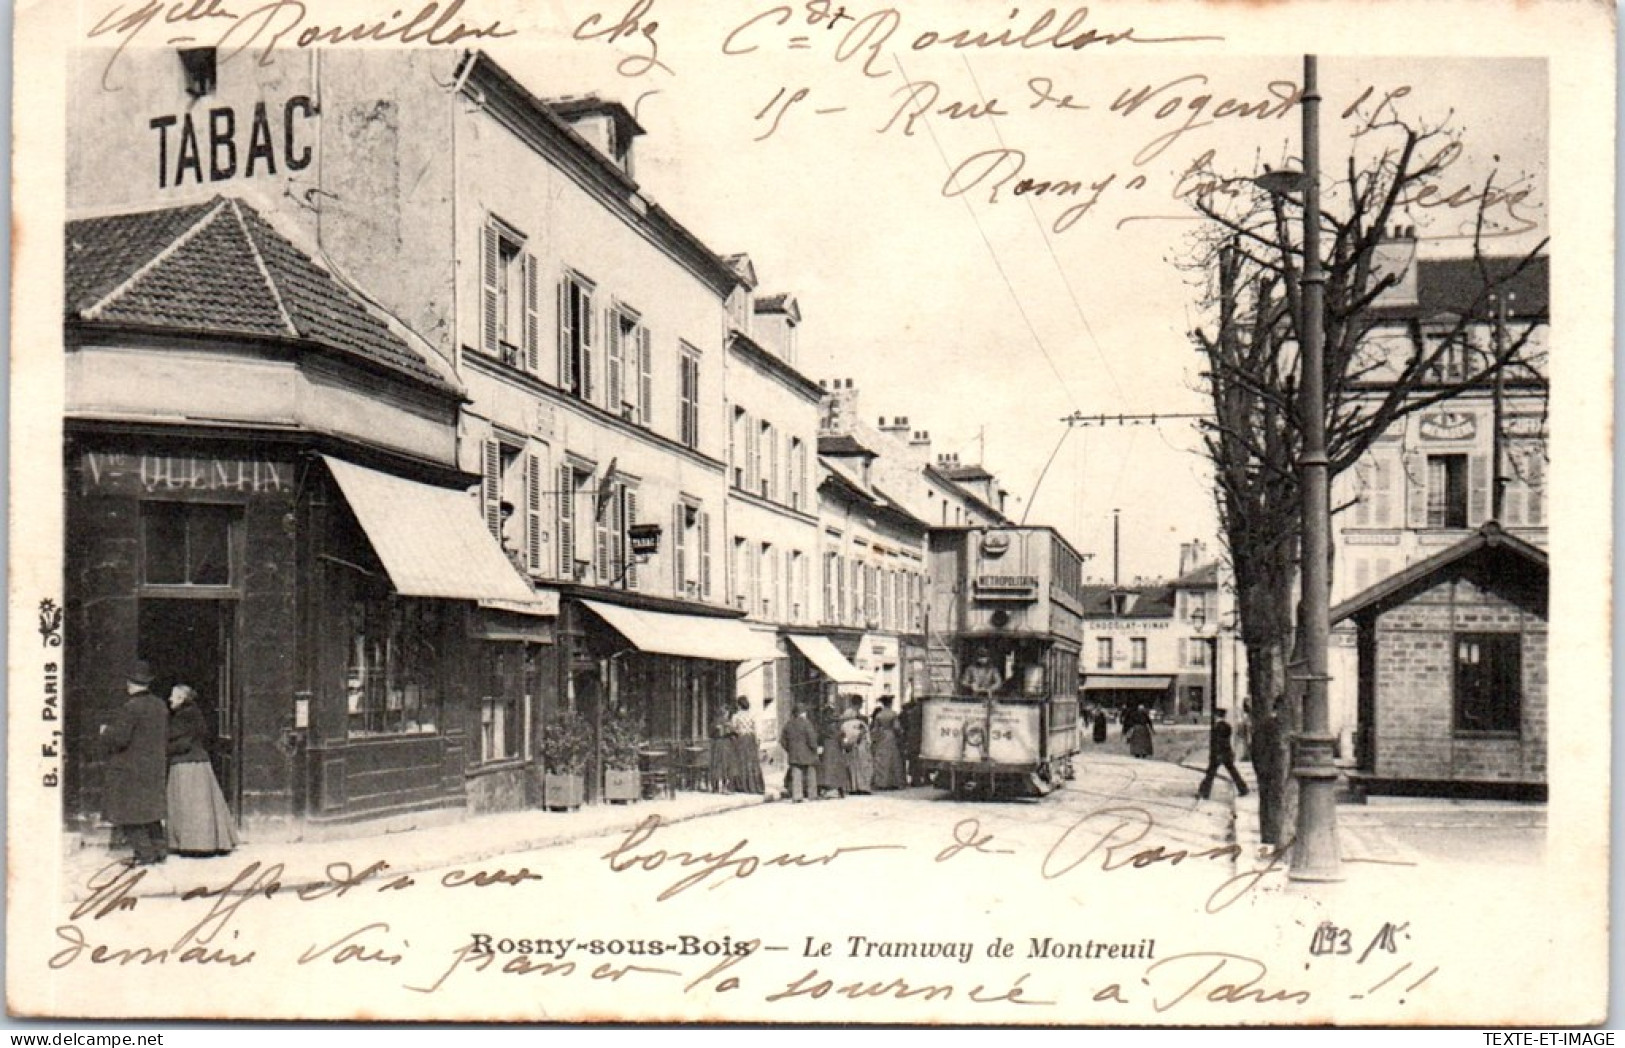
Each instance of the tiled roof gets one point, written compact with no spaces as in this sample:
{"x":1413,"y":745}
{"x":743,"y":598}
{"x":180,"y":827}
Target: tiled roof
{"x":1510,"y":562}
{"x":842,"y":444}
{"x":1154,"y":601}
{"x":221,"y":268}
{"x":1453,"y":285}
{"x":1204,"y":577}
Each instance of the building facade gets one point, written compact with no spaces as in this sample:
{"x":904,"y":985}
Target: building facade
{"x":1479,"y":454}
{"x":563,"y":343}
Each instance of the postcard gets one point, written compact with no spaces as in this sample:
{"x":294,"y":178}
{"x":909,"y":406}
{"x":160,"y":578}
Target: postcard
{"x":815,"y":512}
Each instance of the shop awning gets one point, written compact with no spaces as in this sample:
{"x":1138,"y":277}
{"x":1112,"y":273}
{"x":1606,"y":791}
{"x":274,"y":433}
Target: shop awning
{"x":687,"y":636}
{"x":830,"y":662}
{"x":431,"y":540}
{"x":1102,"y":682}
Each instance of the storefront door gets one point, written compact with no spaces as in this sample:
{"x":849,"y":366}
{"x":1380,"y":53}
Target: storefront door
{"x":192,"y":641}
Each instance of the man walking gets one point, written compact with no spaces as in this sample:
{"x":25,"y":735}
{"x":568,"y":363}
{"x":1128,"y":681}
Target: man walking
{"x":1220,"y":752}
{"x":800,"y":741}
{"x":137,"y":739}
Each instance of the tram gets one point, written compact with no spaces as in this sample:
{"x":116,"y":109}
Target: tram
{"x":1005,"y":626}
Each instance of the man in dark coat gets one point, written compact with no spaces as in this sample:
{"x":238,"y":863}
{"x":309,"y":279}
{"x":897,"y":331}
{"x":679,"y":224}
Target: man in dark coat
{"x":1220,"y":752}
{"x":137,"y":740}
{"x":800,"y":741}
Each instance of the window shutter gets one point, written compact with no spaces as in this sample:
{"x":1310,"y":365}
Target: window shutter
{"x":705,"y":555}
{"x":567,"y":370}
{"x":1535,"y":477}
{"x":626,"y":541}
{"x":585,"y":337}
{"x":646,"y":380}
{"x":614,"y":359}
{"x":533,"y":511}
{"x":533,"y":308}
{"x":490,"y":264}
{"x":1184,"y":652}
{"x":678,"y":541}
{"x":600,"y":526}
{"x":1382,"y":511}
{"x":1416,"y":483}
{"x":567,"y":522}
{"x":491,"y":489}
{"x":1478,"y":489}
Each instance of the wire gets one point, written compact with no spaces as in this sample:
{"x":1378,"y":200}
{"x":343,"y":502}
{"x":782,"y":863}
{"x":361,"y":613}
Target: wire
{"x":994,"y":255}
{"x":1041,"y":473}
{"x":1100,"y":351}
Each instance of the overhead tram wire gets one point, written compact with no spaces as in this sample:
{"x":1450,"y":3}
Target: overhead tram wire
{"x":994,"y":255}
{"x":1049,"y":246}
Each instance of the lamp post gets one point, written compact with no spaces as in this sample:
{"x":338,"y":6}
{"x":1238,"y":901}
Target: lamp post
{"x":1315,"y":853}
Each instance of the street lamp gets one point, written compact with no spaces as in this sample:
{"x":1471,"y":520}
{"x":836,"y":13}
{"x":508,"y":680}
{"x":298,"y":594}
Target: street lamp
{"x":1199,"y":620}
{"x":1315,"y":855}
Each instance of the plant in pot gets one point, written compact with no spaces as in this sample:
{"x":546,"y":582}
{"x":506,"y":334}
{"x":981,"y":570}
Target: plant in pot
{"x":622,"y":739}
{"x":566,"y":743}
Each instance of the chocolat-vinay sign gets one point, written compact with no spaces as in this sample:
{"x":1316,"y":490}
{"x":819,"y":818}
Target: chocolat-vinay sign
{"x":225,"y":142}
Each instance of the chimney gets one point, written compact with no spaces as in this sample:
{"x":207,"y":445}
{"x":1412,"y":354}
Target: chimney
{"x":898,"y":430}
{"x":1396,"y":255}
{"x":839,"y":409}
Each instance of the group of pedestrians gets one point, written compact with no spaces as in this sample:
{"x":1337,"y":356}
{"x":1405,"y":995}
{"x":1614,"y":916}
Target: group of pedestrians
{"x":846,"y":753}
{"x":1138,"y":732}
{"x":162,"y":795}
{"x":736,"y":764}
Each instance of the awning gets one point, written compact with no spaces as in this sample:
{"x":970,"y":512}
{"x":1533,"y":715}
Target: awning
{"x":431,"y":540}
{"x":830,"y":662}
{"x":1099,"y":682}
{"x":688,"y":636}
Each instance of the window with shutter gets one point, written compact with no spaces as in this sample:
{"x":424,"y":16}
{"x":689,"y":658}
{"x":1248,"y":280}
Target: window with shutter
{"x":490,"y":293}
{"x":576,"y":337}
{"x":533,"y":511}
{"x":679,"y":549}
{"x":705,"y":555}
{"x":615,"y":328}
{"x":602,"y":559}
{"x":1478,"y":471}
{"x":491,"y":488}
{"x":533,"y":315}
{"x":629,"y":518}
{"x":646,"y":380}
{"x":566,"y":522}
{"x":567,"y":337}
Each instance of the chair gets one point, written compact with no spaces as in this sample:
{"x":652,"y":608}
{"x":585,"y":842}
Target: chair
{"x":694,"y":769}
{"x":654,"y":771}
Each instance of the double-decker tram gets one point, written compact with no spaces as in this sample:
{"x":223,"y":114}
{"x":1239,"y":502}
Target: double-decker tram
{"x":1000,"y":715}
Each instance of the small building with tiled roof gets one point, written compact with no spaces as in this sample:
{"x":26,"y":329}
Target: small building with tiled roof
{"x":1452,"y":671}
{"x":263,"y":498}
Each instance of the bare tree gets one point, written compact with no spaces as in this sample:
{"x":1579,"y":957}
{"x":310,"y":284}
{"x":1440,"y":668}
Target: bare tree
{"x":1248,"y":260}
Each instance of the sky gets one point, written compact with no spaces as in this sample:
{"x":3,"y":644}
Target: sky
{"x":885,"y":197}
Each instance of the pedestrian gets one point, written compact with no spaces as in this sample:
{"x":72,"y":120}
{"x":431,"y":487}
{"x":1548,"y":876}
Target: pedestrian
{"x":1220,"y":752}
{"x":832,"y":773}
{"x":747,"y":756}
{"x":1100,"y":726}
{"x":199,"y":820}
{"x":137,"y":741}
{"x":800,"y":741}
{"x":888,"y":755}
{"x":1137,"y":727}
{"x":721,"y":771}
{"x":913,"y":720}
{"x":860,"y":762}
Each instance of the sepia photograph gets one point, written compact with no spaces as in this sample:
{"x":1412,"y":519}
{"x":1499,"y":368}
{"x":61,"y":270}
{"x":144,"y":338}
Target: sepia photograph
{"x":951,"y":514}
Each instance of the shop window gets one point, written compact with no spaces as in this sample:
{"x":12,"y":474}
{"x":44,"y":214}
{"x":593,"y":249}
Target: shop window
{"x":390,"y":683}
{"x":187,"y":544}
{"x":1447,"y":491}
{"x":1488,"y":682}
{"x":502,"y":707}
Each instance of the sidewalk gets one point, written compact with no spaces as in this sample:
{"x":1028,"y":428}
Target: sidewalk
{"x":476,"y":839}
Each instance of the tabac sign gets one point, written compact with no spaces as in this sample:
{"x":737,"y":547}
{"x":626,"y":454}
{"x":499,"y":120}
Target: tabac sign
{"x":226,"y":142}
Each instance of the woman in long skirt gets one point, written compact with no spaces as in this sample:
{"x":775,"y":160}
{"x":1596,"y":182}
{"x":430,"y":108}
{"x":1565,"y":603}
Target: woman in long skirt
{"x":860,"y":763}
{"x":832,"y":773}
{"x":747,"y":757}
{"x":722,"y":750}
{"x":199,"y":822}
{"x":888,"y":755}
{"x":1138,"y":728}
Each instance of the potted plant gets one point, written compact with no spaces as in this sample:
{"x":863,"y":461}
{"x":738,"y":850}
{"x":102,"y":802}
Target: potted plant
{"x":566,"y":742}
{"x":622,"y":739}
